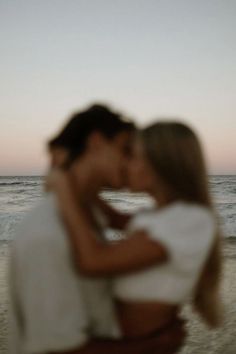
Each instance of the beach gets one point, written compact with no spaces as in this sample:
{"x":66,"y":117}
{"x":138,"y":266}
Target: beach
{"x":199,"y":341}
{"x":18,"y":194}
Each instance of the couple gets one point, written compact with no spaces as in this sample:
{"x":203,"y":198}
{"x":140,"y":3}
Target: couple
{"x":73,"y":292}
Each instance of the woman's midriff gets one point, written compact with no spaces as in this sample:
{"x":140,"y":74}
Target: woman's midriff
{"x":144,"y":318}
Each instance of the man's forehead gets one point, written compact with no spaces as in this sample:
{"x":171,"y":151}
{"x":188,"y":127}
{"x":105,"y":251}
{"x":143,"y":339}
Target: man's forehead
{"x":124,"y":137}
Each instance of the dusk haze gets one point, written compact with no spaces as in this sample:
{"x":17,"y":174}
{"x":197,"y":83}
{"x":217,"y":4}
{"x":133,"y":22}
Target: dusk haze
{"x":149,"y":59}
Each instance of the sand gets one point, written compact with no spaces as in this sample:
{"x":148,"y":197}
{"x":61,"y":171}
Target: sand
{"x":199,"y":341}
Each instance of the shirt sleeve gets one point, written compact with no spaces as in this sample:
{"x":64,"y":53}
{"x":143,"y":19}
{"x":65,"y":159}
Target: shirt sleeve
{"x":53,"y":315}
{"x":186,"y":232}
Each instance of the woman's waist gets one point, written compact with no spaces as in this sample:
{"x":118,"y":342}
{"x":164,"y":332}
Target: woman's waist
{"x":143,"y":318}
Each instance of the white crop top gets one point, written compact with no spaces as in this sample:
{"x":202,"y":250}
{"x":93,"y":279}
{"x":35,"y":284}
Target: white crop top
{"x":187,"y":232}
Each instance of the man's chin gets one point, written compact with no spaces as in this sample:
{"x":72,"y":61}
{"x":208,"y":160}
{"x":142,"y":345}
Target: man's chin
{"x":117,"y":185}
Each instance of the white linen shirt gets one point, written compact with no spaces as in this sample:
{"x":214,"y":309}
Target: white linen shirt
{"x":52,"y":307}
{"x":187,"y":232}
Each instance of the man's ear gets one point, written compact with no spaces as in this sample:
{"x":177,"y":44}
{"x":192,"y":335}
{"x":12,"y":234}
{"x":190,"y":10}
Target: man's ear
{"x":96,"y":141}
{"x":59,"y":156}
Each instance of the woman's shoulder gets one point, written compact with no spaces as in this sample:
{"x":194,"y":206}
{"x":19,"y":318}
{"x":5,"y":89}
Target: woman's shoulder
{"x":188,"y":213}
{"x":186,"y":230}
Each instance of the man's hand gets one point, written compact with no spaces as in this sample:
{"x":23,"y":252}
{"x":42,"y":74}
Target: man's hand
{"x":171,"y":339}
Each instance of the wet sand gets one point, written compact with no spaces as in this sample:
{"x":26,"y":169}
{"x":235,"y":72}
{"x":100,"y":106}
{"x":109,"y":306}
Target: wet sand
{"x":200,"y":340}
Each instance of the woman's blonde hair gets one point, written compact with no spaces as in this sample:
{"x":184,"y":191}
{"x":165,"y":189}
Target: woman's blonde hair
{"x":175,"y":154}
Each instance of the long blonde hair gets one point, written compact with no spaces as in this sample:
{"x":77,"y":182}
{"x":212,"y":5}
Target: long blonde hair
{"x":174,"y":152}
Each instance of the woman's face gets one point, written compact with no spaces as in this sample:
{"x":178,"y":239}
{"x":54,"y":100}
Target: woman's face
{"x":141,"y":176}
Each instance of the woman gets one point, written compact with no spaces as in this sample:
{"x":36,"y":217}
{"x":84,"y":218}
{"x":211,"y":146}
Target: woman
{"x":177,"y":241}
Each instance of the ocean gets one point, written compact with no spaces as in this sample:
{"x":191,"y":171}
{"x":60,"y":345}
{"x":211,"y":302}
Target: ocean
{"x":18,"y":194}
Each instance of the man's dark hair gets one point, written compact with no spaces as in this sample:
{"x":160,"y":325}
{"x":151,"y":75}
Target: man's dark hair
{"x":75,"y":133}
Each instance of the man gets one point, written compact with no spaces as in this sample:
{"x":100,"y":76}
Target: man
{"x":53,"y":308}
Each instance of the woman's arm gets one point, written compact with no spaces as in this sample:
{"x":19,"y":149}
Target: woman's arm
{"x":96,"y":258}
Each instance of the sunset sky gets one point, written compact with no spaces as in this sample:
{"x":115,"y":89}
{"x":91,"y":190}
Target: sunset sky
{"x":147,"y":58}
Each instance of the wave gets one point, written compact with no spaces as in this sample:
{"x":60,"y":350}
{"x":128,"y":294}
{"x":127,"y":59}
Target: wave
{"x":217,"y":183}
{"x":231,"y":238}
{"x":9,"y":183}
{"x":21,"y":183}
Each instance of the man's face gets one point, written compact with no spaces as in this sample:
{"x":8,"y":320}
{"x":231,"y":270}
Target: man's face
{"x":116,"y":159}
{"x":105,"y":160}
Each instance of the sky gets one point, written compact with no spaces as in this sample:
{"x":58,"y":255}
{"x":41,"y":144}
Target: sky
{"x":150,"y":59}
